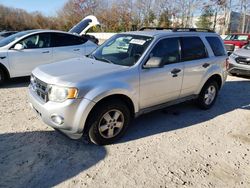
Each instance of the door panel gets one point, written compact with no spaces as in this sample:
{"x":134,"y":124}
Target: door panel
{"x":160,"y":85}
{"x":193,"y":74}
{"x":66,"y":46}
{"x":36,"y":52}
{"x":194,"y":54}
{"x":157,"y":85}
{"x":67,"y":52}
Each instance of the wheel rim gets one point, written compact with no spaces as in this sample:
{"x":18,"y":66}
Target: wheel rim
{"x":111,"y":123}
{"x":210,"y":95}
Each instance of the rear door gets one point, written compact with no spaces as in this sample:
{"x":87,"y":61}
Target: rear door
{"x":66,"y":46}
{"x":196,"y":61}
{"x":37,"y":51}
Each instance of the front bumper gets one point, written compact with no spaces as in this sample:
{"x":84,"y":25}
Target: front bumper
{"x":73,"y":111}
{"x":236,"y":68}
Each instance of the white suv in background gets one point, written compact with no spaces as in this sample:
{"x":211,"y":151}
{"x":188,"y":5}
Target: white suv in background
{"x":20,"y":53}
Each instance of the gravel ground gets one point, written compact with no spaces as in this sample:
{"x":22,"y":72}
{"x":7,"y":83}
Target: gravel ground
{"x":180,"y":146}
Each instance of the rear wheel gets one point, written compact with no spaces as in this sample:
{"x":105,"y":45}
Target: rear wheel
{"x":108,"y":122}
{"x":2,"y":76}
{"x":208,"y":95}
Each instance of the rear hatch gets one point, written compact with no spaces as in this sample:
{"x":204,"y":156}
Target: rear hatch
{"x":83,"y":26}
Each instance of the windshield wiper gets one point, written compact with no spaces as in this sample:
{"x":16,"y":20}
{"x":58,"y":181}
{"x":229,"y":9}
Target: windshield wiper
{"x":91,"y":56}
{"x":100,"y":59}
{"x":104,"y":59}
{"x":107,"y":60}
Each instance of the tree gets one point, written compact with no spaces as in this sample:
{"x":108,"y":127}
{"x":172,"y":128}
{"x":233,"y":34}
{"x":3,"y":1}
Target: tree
{"x":164,"y":20}
{"x":204,"y":20}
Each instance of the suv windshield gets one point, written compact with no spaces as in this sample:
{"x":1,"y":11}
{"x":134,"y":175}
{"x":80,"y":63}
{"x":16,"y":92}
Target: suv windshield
{"x":13,"y":37}
{"x":247,"y":46}
{"x":122,"y":49}
{"x":237,"y":37}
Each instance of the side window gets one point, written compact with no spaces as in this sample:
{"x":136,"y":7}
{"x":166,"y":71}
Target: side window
{"x":216,"y":46}
{"x":168,"y":50}
{"x":192,"y":48}
{"x":61,"y":39}
{"x":41,"y":40}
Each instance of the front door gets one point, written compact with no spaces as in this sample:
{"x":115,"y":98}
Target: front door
{"x":36,"y":51}
{"x":160,"y":85}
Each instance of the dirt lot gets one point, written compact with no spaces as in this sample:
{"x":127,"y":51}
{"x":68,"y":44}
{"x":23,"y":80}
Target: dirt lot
{"x":181,"y":146}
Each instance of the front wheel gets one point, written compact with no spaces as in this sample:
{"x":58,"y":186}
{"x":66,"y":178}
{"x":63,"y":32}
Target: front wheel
{"x":208,"y":95}
{"x":108,"y":122}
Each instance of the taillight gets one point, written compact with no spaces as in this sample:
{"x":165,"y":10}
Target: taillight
{"x":226,"y":64}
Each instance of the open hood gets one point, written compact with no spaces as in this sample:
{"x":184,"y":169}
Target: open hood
{"x":83,"y":26}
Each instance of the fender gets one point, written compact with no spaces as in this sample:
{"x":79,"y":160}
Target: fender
{"x":97,"y":94}
{"x":213,"y":70}
{"x":114,"y":88}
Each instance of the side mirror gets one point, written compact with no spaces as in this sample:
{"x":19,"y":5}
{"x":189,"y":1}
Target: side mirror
{"x":229,"y":53}
{"x":18,"y":47}
{"x":154,"y":62}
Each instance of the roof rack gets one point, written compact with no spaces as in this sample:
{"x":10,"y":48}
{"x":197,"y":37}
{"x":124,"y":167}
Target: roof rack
{"x":177,"y":29}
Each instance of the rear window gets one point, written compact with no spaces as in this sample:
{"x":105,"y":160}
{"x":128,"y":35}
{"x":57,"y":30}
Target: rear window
{"x":216,"y":45}
{"x":62,"y":39}
{"x":192,"y":48}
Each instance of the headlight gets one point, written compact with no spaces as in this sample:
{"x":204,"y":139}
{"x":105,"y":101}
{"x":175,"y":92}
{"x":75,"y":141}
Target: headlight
{"x":33,"y":82}
{"x":234,"y":56}
{"x":60,"y":94}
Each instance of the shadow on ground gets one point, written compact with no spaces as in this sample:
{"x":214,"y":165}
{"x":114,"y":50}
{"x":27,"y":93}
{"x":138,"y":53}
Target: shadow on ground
{"x":43,"y":159}
{"x":234,"y":95}
{"x":16,"y":82}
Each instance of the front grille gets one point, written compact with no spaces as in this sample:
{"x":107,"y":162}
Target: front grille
{"x":243,"y":60}
{"x":229,"y":47}
{"x":40,"y":88}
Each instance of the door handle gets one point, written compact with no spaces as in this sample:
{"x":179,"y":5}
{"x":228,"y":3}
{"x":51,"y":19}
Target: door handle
{"x":175,"y":71}
{"x":45,"y":52}
{"x":2,"y":57}
{"x":205,"y":65}
{"x":76,"y":50}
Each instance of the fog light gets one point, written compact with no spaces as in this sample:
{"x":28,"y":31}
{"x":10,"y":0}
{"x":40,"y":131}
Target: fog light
{"x":57,"y":119}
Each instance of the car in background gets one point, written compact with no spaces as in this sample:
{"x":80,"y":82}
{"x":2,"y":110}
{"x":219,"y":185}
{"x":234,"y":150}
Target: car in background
{"x":235,"y":41}
{"x":239,"y":62}
{"x":4,"y":34}
{"x":20,"y":53}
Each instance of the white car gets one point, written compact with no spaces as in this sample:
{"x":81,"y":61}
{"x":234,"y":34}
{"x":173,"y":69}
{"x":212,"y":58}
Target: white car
{"x":22,"y":52}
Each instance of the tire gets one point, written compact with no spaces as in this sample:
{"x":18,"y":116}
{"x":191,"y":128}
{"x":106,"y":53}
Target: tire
{"x":2,"y":76}
{"x":208,"y":95}
{"x":108,"y":122}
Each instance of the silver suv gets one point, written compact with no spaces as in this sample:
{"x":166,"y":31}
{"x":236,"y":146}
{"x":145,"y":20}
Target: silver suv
{"x":100,"y":94}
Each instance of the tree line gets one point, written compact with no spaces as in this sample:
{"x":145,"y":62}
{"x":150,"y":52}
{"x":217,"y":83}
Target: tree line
{"x":118,"y":15}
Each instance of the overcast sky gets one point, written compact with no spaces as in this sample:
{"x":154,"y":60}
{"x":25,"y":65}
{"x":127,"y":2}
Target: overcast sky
{"x":47,"y":7}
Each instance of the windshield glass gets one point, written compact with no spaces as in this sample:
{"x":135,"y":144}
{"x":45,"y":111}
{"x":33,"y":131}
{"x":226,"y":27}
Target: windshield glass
{"x":122,"y":49}
{"x":247,"y":46}
{"x":12,"y":38}
{"x":237,"y":37}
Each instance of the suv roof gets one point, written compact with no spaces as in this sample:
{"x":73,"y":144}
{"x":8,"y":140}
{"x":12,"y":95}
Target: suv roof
{"x":155,"y":31}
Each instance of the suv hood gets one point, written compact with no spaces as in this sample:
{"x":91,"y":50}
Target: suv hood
{"x":242,"y":52}
{"x":83,"y":26}
{"x":73,"y":72}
